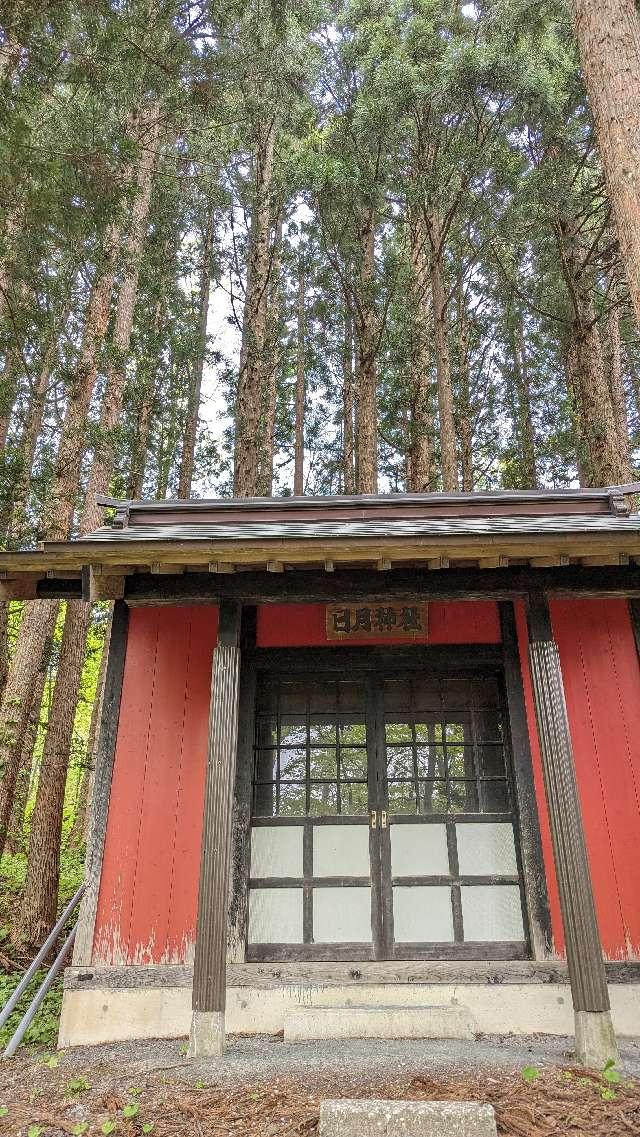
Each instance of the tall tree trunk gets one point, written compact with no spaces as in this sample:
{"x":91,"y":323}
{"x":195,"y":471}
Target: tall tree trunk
{"x":609,"y":40}
{"x":78,"y":832}
{"x":420,"y":456}
{"x":250,"y":380}
{"x":593,"y":397}
{"x":193,"y":408}
{"x":367,"y":333}
{"x":15,"y":833}
{"x":147,"y":396}
{"x":298,"y":458}
{"x":448,"y":456}
{"x":8,"y":393}
{"x":525,"y":418}
{"x":465,"y":411}
{"x":17,"y":521}
{"x":40,"y":896}
{"x":271,"y":367}
{"x":616,"y":376}
{"x":348,"y":448}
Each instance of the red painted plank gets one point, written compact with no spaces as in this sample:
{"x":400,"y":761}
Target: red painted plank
{"x":602,"y":684}
{"x":115,"y":898}
{"x":185,"y":868}
{"x":146,"y":908}
{"x":300,"y":625}
{"x":536,"y":761}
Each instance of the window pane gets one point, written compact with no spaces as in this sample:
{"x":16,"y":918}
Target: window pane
{"x":488,"y":724}
{"x":353,"y":731}
{"x":276,"y":850}
{"x":402,"y":797}
{"x":399,"y":762}
{"x":266,"y":766}
{"x":419,"y":850}
{"x":456,"y":732}
{"x":275,"y":916}
{"x":293,"y":730}
{"x":463,"y":797}
{"x":341,"y":850}
{"x":293,"y":799}
{"x":323,"y":799}
{"x":433,"y":797}
{"x":354,"y":798}
{"x":341,"y":915}
{"x":422,"y":914}
{"x":460,"y":761}
{"x":353,"y":763}
{"x":293,"y":763}
{"x":322,"y":730}
{"x":486,"y":849}
{"x":398,"y":732}
{"x":322,"y":762}
{"x":495,"y":797}
{"x":492,"y":912}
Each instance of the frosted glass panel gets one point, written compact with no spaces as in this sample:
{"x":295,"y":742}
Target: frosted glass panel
{"x":422,"y":915}
{"x":419,"y":850}
{"x":492,"y":912}
{"x":486,"y":850}
{"x":341,"y":850}
{"x":342,"y":915}
{"x":276,"y":850}
{"x":275,"y":916}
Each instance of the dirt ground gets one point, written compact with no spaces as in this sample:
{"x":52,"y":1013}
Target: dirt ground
{"x":266,"y":1089}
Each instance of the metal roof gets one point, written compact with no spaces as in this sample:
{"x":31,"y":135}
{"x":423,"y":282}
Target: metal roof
{"x":412,"y":527}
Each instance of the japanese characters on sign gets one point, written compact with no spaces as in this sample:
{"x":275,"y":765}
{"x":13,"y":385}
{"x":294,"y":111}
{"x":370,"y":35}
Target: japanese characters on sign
{"x":403,"y":620}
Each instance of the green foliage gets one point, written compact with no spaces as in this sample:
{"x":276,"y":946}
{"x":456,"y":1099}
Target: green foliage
{"x":44,"y":1028}
{"x":530,"y":1073}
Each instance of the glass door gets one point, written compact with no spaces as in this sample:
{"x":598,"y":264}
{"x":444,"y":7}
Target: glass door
{"x":451,"y":874}
{"x":383,"y":820}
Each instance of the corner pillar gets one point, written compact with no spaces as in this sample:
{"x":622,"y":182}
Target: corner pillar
{"x":210,"y":965}
{"x":595,"y":1039}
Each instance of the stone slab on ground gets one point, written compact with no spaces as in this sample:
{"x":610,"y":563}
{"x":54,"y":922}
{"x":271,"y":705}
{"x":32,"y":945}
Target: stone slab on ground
{"x":366,"y":1118}
{"x":308,"y":1024}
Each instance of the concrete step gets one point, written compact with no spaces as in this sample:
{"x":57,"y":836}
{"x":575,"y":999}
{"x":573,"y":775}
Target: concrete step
{"x":305,"y":1024}
{"x":406,"y":1119}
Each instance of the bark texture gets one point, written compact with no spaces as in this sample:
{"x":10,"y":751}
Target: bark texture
{"x":448,"y":456}
{"x":609,"y":40}
{"x":254,"y":320}
{"x":366,"y":322}
{"x":195,"y":390}
{"x":526,"y":432}
{"x":348,"y":448}
{"x":298,"y":460}
{"x":420,"y":472}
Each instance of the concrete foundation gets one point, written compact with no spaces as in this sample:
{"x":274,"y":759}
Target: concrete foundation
{"x":101,"y":1014}
{"x":595,"y":1039}
{"x":207,"y":1034}
{"x":437,"y":1021}
{"x":348,"y":1118}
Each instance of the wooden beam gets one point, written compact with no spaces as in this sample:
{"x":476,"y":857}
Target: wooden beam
{"x":434,"y":564}
{"x":493,"y":562}
{"x":97,"y":585}
{"x":275,"y":566}
{"x":606,"y":559}
{"x":220,"y":566}
{"x":105,"y":754}
{"x":595,"y":1040}
{"x":166,"y":568}
{"x":318,"y":586}
{"x":329,"y":566}
{"x":24,"y":587}
{"x":209,"y":973}
{"x":556,"y":561}
{"x":383,"y":565}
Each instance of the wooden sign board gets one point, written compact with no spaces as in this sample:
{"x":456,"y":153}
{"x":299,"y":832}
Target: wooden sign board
{"x":406,"y":620}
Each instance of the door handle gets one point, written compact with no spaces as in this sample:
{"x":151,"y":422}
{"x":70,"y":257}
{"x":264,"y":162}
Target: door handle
{"x":374,"y":819}
{"x":383,"y":819}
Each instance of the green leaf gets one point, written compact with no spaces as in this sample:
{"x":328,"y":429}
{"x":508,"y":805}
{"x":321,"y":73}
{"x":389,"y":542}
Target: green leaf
{"x":610,"y":1074}
{"x":108,"y":1127}
{"x":131,"y":1109}
{"x":608,"y":1095}
{"x":199,"y":1084}
{"x":3,"y":1110}
{"x":80,"y":1128}
{"x":77,"y":1085}
{"x":34,"y":1131}
{"x":51,"y":1060}
{"x":530,"y":1073}
{"x":133,"y":1090}
{"x":148,"y":1126}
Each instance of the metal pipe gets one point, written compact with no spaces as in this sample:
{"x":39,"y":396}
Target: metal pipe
{"x":13,"y":1001}
{"x":39,"y":996}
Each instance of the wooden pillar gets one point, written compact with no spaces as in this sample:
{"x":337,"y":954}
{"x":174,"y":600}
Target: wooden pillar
{"x":595,"y":1039}
{"x":209,"y":972}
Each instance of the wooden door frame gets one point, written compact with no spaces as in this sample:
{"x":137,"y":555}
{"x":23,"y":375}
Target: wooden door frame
{"x":441,"y":661}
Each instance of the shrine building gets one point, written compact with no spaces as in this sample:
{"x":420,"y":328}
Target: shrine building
{"x":377,"y":753}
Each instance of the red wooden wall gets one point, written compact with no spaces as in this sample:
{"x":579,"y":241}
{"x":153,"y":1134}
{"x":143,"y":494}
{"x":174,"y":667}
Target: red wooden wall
{"x":602,"y":685}
{"x":148,"y":891}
